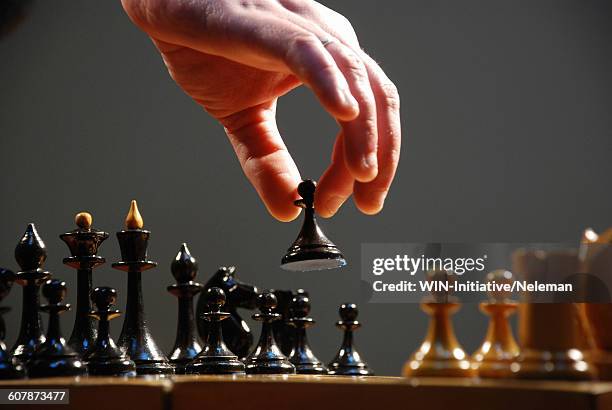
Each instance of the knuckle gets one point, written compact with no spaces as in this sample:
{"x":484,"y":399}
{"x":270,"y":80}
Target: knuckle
{"x":355,"y":65}
{"x":391,"y":98}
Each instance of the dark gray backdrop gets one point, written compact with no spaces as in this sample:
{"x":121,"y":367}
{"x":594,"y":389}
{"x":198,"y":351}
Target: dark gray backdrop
{"x":506,"y":121}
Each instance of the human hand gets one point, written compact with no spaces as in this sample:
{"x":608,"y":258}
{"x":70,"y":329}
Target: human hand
{"x":236,"y":58}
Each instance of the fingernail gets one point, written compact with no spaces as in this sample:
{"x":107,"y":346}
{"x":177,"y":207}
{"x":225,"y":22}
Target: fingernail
{"x":371,"y":161}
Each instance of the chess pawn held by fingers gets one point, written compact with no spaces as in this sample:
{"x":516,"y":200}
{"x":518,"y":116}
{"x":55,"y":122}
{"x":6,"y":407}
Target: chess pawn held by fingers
{"x":495,"y":356}
{"x":559,"y":352}
{"x":440,"y":354}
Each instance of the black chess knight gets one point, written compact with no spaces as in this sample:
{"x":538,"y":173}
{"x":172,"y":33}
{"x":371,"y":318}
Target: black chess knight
{"x":301,"y":355}
{"x":187,"y":344}
{"x":215,"y":357}
{"x":30,"y":254}
{"x":83,"y":244}
{"x":267,"y":357}
{"x":135,"y":338}
{"x":104,"y":358}
{"x":236,"y":332}
{"x":347,"y":361}
{"x":54,"y":358}
{"x":312,"y":250}
{"x":9,"y":367}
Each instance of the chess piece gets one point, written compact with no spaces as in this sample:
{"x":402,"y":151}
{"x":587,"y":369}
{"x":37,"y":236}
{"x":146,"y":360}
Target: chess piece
{"x":30,"y":254}
{"x":557,"y":352}
{"x":440,"y":354}
{"x":495,"y":356}
{"x":104,"y":358}
{"x":312,"y":250}
{"x":596,"y":258}
{"x":284,"y":332}
{"x":83,"y":243}
{"x":9,"y":367}
{"x":215,"y":357}
{"x":187,"y":345}
{"x":55,"y":357}
{"x":267,"y":357}
{"x":236,"y":332}
{"x":135,"y":338}
{"x":348,"y":361}
{"x":301,"y":355}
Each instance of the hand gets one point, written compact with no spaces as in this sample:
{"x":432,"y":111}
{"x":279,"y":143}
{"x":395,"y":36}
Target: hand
{"x":235,"y":58}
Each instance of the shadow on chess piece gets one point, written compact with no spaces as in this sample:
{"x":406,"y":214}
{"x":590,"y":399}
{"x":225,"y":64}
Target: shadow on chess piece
{"x":267,"y":357}
{"x":560,"y":352}
{"x":301,"y":355}
{"x":83,"y":244}
{"x":187,"y":344}
{"x":104,"y":358}
{"x":215,"y":357}
{"x":440,"y":354}
{"x":136,"y":339}
{"x":348,"y":361}
{"x":30,"y":254}
{"x":9,"y":367}
{"x":54,"y":358}
{"x":236,"y":332}
{"x":312,"y":250}
{"x":495,"y":356}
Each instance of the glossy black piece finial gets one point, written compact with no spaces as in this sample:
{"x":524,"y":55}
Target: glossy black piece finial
{"x":215,"y":357}
{"x":83,"y":243}
{"x":312,"y":250}
{"x":10,"y":368}
{"x":301,"y":355}
{"x":30,"y":254}
{"x":54,"y":358}
{"x":267,"y":357}
{"x":104,"y":358}
{"x":135,"y":338}
{"x":347,"y":361}
{"x":236,"y":332}
{"x":187,"y":345}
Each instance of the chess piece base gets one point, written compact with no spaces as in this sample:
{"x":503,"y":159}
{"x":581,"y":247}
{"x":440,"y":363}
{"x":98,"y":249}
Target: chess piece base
{"x":301,"y":259}
{"x":56,"y":367}
{"x":438,"y":368}
{"x":270,"y":367}
{"x":349,"y":371}
{"x":146,"y":367}
{"x":602,"y":360}
{"x":112,"y":367}
{"x":216,"y":365}
{"x":12,"y":369}
{"x":559,"y":365}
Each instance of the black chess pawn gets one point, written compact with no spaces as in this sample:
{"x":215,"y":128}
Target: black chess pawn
{"x":10,"y":368}
{"x":215,"y":357}
{"x":104,"y":358}
{"x":187,"y":344}
{"x":301,"y":355}
{"x":135,"y":338}
{"x":83,"y":243}
{"x":348,"y":362}
{"x":267,"y":357}
{"x":54,"y":357}
{"x":312,"y":250}
{"x":284,"y":332}
{"x":30,"y":254}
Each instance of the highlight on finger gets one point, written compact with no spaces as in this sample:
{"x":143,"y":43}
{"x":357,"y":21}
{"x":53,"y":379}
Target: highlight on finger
{"x":336,"y":184}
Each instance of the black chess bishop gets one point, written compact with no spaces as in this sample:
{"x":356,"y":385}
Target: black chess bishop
{"x":9,"y":367}
{"x":347,"y":361}
{"x":30,"y":254}
{"x":187,"y":345}
{"x":104,"y":358}
{"x":136,"y":339}
{"x":83,"y":243}
{"x":267,"y":357}
{"x":312,"y":250}
{"x":215,"y":357}
{"x":54,"y":357}
{"x":301,"y":355}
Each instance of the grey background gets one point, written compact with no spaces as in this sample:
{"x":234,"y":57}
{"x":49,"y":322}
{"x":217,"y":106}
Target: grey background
{"x":506,"y":117}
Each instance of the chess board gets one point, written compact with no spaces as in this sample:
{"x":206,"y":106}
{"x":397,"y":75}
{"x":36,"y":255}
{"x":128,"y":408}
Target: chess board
{"x":299,"y":392}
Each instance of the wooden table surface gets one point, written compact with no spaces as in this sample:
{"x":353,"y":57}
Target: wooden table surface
{"x":320,"y":393}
